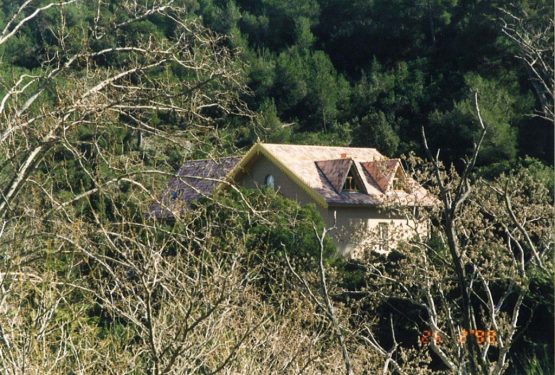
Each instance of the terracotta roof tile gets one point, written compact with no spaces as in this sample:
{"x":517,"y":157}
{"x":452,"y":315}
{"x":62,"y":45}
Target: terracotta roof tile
{"x":382,"y":171}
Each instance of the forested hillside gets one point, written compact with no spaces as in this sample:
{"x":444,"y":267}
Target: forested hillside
{"x":365,"y":73}
{"x":102,"y":100}
{"x":371,"y":73}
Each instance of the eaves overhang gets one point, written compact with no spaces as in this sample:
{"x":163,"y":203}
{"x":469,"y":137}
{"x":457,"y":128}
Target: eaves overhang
{"x":259,"y":149}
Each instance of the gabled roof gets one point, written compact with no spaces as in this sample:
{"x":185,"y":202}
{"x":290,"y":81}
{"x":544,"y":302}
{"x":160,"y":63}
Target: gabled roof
{"x":302,"y":164}
{"x":197,"y":178}
{"x":319,"y":170}
{"x":299,"y":163}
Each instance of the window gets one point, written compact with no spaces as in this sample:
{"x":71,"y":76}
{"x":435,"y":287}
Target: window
{"x":352,"y":182}
{"x":269,"y":181}
{"x":349,"y":184}
{"x":383,"y":233}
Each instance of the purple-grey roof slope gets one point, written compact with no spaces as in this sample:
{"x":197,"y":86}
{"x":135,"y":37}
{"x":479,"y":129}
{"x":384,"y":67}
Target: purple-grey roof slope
{"x":195,"y":179}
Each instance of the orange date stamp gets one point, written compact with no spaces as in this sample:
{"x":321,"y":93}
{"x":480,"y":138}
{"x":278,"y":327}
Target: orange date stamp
{"x":481,"y":336}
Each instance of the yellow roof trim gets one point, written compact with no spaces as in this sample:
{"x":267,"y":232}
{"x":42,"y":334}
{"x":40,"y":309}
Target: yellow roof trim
{"x":259,"y":148}
{"x":240,"y":166}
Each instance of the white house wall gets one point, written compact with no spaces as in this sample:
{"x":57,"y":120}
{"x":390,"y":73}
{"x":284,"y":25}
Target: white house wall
{"x":355,"y":227}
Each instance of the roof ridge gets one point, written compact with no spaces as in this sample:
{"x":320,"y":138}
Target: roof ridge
{"x":324,"y":146}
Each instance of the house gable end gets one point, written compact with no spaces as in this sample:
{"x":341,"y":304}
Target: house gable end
{"x":258,"y":150}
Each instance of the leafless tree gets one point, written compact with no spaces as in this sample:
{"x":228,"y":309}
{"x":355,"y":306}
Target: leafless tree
{"x":55,"y":252}
{"x":532,"y":32}
{"x":490,"y":238}
{"x":493,"y":235}
{"x":324,"y":301}
{"x":90,"y":284}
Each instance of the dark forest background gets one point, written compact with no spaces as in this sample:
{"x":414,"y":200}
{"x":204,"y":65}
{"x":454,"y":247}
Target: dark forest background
{"x":371,"y":73}
{"x":361,"y":73}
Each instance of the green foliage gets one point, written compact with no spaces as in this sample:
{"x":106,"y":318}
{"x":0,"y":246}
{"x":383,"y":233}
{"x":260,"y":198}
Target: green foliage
{"x":222,"y":19}
{"x":458,"y":127}
{"x":307,"y":89}
{"x":282,"y":226}
{"x":539,"y":363}
{"x":374,"y":129}
{"x":537,"y":171}
{"x":339,"y":134}
{"x":269,"y":127}
{"x":278,"y":24}
{"x":330,"y":64}
{"x":542,"y":290}
{"x":382,"y":69}
{"x":397,"y":64}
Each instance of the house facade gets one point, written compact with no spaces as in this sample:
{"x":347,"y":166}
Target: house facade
{"x":357,"y":190}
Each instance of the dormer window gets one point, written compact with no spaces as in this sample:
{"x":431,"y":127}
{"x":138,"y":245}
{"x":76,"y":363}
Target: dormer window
{"x":343,"y":174}
{"x":388,"y":175}
{"x":352,"y":182}
{"x":349,"y":184}
{"x":397,"y":184}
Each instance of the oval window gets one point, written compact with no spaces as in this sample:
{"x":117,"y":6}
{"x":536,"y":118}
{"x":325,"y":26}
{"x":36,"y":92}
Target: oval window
{"x":269,"y":181}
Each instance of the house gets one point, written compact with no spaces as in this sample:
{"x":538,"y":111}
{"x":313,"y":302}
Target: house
{"x":354,"y":189}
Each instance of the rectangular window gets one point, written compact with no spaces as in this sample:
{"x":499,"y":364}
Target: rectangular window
{"x":383,"y":232}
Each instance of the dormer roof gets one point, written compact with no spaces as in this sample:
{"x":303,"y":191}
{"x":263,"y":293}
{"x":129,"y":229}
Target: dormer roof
{"x":383,"y":172}
{"x":336,"y":172}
